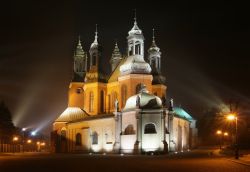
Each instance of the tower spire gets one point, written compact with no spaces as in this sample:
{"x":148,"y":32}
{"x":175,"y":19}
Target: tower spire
{"x":153,"y":39}
{"x":135,"y":22}
{"x":153,"y":35}
{"x":96,"y":32}
{"x":79,"y":40}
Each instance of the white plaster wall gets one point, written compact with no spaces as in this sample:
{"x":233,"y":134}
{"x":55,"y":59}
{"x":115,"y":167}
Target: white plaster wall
{"x":127,"y":119}
{"x":105,"y":129}
{"x":152,"y":142}
{"x":127,"y":143}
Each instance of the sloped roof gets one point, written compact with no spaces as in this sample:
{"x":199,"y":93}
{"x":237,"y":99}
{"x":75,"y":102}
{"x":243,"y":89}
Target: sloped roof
{"x":116,"y":73}
{"x":72,"y":114}
{"x":182,"y":113}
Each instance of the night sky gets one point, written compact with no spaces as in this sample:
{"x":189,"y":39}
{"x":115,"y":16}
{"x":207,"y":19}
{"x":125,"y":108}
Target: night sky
{"x":205,"y":51}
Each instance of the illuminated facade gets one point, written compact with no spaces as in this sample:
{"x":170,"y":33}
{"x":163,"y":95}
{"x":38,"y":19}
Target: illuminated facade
{"x":124,"y":112}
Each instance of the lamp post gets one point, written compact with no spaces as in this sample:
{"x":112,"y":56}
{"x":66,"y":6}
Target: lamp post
{"x":219,"y":132}
{"x":233,"y":117}
{"x":29,"y":141}
{"x":23,"y":131}
{"x":15,"y":139}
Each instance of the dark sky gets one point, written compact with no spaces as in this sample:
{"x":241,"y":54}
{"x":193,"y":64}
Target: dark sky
{"x":205,"y":50}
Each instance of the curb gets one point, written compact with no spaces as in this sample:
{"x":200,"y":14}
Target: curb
{"x":238,"y":162}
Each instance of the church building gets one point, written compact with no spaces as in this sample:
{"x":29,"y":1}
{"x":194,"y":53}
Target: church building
{"x":125,"y":112}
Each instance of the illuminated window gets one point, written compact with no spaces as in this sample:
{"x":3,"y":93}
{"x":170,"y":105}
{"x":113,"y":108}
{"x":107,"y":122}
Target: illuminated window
{"x":124,"y":94}
{"x":78,"y":139}
{"x":91,"y":101}
{"x":129,"y":130}
{"x":94,"y":138}
{"x":150,"y":129}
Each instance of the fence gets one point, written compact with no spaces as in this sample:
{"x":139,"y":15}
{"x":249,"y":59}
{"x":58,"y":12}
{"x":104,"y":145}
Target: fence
{"x":10,"y":148}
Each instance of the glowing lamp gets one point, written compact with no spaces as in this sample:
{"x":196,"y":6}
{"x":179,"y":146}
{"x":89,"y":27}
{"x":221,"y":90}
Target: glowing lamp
{"x":24,"y":129}
{"x":38,"y":143}
{"x":15,"y":138}
{"x":231,"y":117}
{"x":225,"y":134}
{"x":29,"y":141}
{"x":218,"y":132}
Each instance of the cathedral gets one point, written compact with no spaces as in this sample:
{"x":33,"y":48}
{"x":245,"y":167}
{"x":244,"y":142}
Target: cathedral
{"x":124,"y":112}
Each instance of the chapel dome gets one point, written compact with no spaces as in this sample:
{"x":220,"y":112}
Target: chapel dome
{"x":143,"y":100}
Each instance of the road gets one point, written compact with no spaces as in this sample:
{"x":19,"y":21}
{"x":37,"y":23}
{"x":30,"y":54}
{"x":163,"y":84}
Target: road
{"x":194,"y":161}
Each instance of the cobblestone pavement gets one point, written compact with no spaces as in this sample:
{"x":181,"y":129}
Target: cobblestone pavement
{"x":194,"y":161}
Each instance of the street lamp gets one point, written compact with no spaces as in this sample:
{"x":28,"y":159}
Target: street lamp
{"x":15,"y":139}
{"x":219,"y":132}
{"x":23,"y":131}
{"x":233,"y":117}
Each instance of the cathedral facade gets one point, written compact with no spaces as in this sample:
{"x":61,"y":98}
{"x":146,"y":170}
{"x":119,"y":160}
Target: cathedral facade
{"x":125,"y":112}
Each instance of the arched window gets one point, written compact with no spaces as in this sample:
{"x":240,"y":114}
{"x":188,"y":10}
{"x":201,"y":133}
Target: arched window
{"x":124,"y":94}
{"x":129,"y":130}
{"x":91,"y":101}
{"x":102,"y":105}
{"x":63,"y":135}
{"x":137,"y":48}
{"x":94,"y":138}
{"x":78,"y":139}
{"x":150,"y":129}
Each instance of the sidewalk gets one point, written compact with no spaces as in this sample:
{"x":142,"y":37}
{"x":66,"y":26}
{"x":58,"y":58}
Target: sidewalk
{"x":245,"y":160}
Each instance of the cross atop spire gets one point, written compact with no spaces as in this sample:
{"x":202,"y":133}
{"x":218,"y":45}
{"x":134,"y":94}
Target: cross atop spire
{"x":153,"y":35}
{"x":135,"y":17}
{"x":79,"y":40}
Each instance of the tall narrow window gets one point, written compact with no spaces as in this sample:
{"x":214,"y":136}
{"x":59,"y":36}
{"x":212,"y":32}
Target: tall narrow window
{"x":137,"y":48}
{"x":94,"y":138}
{"x":91,"y":101}
{"x":114,"y":97}
{"x":124,"y":94}
{"x":150,"y":129}
{"x":94,"y":59}
{"x":78,"y":139}
{"x":63,"y":135}
{"x":102,"y":105}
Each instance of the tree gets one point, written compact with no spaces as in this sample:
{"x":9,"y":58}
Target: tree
{"x":7,"y":128}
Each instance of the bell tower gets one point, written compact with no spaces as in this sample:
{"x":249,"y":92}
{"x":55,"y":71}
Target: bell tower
{"x":116,"y":57}
{"x":95,"y":73}
{"x":80,"y":63}
{"x":135,"y":40}
{"x":154,"y":56}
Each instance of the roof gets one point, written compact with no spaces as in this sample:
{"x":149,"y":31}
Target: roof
{"x":182,"y":113}
{"x":72,"y":114}
{"x":116,"y":73}
{"x":147,"y":101}
{"x":94,"y":117}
